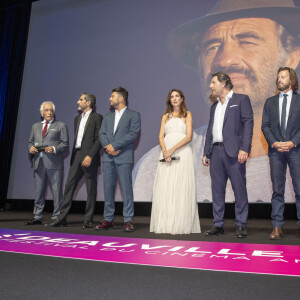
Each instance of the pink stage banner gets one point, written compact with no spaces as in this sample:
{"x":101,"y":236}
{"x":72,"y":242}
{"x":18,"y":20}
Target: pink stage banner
{"x":231,"y":257}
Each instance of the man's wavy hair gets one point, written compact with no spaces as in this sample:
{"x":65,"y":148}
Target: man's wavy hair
{"x":293,"y":77}
{"x":222,"y":77}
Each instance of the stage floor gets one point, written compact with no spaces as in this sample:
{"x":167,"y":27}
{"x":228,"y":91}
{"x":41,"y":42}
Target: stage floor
{"x":258,"y":229}
{"x":169,"y":266}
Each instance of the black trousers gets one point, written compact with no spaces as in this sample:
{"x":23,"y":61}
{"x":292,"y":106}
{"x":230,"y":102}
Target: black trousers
{"x":75,"y":174}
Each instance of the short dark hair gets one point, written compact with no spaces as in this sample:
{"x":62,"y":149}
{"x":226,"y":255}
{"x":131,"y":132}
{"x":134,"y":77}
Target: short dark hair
{"x":123,"y":92}
{"x":90,"y":97}
{"x":293,"y":77}
{"x":223,"y":77}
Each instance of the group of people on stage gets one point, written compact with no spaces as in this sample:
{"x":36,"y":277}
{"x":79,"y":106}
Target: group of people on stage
{"x":174,"y":204}
{"x":116,"y":132}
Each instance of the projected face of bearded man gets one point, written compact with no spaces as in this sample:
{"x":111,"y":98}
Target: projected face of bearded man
{"x":250,"y":50}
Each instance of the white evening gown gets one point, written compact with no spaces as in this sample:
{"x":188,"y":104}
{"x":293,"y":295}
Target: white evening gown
{"x":174,"y":204}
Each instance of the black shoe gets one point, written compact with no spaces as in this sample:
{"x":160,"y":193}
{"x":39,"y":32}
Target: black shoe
{"x":215,"y":230}
{"x":240,"y":232}
{"x":57,"y":223}
{"x":33,"y":222}
{"x":86,"y":224}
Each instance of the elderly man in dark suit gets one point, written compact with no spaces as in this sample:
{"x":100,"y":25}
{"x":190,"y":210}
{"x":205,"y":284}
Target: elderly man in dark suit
{"x":227,"y":146}
{"x":85,"y":160}
{"x":48,"y":140}
{"x":118,"y":133}
{"x":281,"y":127}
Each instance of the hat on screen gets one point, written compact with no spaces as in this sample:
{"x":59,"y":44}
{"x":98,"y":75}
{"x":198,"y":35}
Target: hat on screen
{"x":183,"y":40}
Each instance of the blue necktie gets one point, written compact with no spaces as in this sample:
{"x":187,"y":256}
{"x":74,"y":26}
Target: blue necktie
{"x":283,"y":116}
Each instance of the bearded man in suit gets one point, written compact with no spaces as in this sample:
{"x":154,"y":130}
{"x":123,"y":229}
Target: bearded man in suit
{"x":227,"y":147}
{"x":48,"y":140}
{"x":118,"y":133}
{"x":85,"y":160}
{"x":281,"y":128}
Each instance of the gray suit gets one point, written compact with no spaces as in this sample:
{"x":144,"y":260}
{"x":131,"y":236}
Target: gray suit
{"x":48,"y":165}
{"x":121,"y":165}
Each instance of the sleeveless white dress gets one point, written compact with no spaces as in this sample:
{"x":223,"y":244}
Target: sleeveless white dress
{"x":174,"y":204}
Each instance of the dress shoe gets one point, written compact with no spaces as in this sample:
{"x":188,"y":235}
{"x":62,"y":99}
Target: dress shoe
{"x":128,"y":227}
{"x":57,"y":223}
{"x":104,"y":225}
{"x":215,"y":230}
{"x":240,"y":232}
{"x":86,"y":224}
{"x":33,"y":222}
{"x":276,"y":234}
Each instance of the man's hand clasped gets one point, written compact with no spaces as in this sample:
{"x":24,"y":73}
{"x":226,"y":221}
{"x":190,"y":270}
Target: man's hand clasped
{"x":283,"y":146}
{"x":111,"y":150}
{"x":48,"y":149}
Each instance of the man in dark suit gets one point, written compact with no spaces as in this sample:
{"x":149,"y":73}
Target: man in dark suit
{"x":281,"y":128}
{"x":118,"y":133}
{"x":48,"y":140}
{"x":85,"y":160}
{"x":227,"y":146}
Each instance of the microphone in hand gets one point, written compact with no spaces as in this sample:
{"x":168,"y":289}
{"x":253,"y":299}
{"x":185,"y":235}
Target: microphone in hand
{"x":172,"y":158}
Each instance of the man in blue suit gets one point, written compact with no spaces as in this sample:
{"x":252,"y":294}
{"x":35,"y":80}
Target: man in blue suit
{"x":281,"y":128}
{"x":117,"y":135}
{"x":227,"y":146}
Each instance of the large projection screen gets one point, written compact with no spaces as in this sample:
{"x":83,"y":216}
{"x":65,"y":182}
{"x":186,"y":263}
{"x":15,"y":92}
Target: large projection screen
{"x":150,"y":47}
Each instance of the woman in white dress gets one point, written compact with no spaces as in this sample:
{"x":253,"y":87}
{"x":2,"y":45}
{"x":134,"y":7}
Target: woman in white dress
{"x":174,"y":204}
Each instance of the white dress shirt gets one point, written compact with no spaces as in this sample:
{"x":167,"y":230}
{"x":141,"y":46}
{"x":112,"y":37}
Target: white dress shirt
{"x":118,"y":115}
{"x":44,"y":123}
{"x":288,"y":104}
{"x":84,"y":118}
{"x":219,"y":118}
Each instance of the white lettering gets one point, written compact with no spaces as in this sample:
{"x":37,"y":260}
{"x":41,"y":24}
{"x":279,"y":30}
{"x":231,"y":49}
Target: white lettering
{"x":218,"y":256}
{"x":60,"y":240}
{"x":194,"y":250}
{"x":108,"y":249}
{"x":34,"y":238}
{"x":112,"y":244}
{"x":242,"y":257}
{"x":225,"y":251}
{"x":147,"y":247}
{"x":278,"y":259}
{"x":267,"y":253}
{"x":90,"y":243}
{"x":64,"y":246}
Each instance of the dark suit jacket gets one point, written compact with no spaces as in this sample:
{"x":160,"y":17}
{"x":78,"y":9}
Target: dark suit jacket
{"x":123,"y":139}
{"x":90,"y":144}
{"x":237,"y":127}
{"x":271,"y":125}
